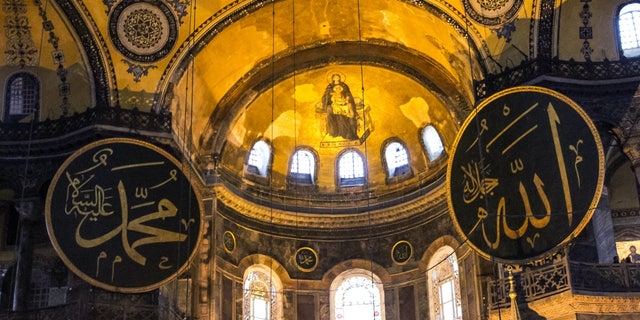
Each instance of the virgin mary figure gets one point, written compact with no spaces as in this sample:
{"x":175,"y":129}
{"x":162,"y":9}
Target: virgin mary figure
{"x":340,"y":107}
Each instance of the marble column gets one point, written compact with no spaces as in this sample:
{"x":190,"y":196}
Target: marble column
{"x":603,"y":229}
{"x":29,"y":210}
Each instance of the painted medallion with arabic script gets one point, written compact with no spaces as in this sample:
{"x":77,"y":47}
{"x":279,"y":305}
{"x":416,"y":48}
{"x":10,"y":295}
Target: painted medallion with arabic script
{"x":526,"y":174}
{"x":123,"y":216}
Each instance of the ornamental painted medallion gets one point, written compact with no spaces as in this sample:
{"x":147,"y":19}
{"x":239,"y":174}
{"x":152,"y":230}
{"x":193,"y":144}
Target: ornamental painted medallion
{"x":492,"y":12}
{"x":401,"y":252}
{"x":526,"y":174}
{"x":229,"y":241}
{"x":143,"y":31}
{"x":123,"y":216}
{"x":306,"y":259}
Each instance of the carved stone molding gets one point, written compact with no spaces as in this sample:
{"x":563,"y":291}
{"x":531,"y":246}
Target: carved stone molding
{"x":568,"y":305}
{"x":378,"y":217}
{"x":605,"y":304}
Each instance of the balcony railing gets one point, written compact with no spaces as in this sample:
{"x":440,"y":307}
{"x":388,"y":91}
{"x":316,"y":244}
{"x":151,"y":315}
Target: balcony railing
{"x":561,"y":275}
{"x":47,"y":129}
{"x":531,"y":69}
{"x":35,"y":139}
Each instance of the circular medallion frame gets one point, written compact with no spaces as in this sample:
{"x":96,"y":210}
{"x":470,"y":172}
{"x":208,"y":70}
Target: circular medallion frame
{"x":306,"y":259}
{"x":526,"y":174}
{"x":229,"y":241}
{"x":492,"y":12}
{"x":144,"y":31}
{"x":401,"y":252}
{"x":115,"y":219}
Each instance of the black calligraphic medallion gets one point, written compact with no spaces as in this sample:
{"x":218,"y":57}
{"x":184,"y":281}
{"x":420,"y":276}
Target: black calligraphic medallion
{"x":306,"y":259}
{"x":123,"y":216}
{"x":401,"y":252}
{"x":229,"y":241}
{"x":526,"y":174}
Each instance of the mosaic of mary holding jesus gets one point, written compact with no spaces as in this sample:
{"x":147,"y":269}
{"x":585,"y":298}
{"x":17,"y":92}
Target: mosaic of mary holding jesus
{"x":340,"y":107}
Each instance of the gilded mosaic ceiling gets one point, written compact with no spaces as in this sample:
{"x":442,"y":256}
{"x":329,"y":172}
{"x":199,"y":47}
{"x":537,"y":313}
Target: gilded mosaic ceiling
{"x":230,"y":72}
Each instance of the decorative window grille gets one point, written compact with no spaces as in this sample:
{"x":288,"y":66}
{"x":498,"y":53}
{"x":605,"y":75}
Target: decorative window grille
{"x":629,"y":29}
{"x":357,"y":297}
{"x":260,"y":299}
{"x":303,"y":165}
{"x":397,"y":159}
{"x":351,"y":169}
{"x":445,"y":286}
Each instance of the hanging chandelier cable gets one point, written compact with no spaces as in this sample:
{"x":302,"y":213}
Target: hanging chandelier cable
{"x":295,"y":127}
{"x":273,"y":295}
{"x":25,"y":173}
{"x":186,"y":149}
{"x":369,"y":242}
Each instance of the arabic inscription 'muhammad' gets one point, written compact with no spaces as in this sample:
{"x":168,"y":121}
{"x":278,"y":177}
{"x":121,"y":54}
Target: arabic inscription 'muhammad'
{"x":123,"y":216}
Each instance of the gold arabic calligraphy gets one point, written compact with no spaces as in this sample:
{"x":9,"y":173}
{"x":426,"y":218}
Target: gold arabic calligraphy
{"x":93,"y":202}
{"x":479,"y":184}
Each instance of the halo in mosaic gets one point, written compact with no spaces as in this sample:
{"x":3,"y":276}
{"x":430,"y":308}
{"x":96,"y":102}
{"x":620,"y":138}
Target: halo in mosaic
{"x":143,"y":31}
{"x":492,"y":12}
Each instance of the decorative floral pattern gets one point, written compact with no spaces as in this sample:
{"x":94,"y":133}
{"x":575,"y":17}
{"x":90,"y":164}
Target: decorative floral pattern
{"x":20,"y":49}
{"x":492,"y":4}
{"x":143,"y":28}
{"x":492,"y":12}
{"x":143,"y":31}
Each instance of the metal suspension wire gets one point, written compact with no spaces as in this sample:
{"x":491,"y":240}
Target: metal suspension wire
{"x":369,"y":247}
{"x":25,"y":176}
{"x":272,"y":139}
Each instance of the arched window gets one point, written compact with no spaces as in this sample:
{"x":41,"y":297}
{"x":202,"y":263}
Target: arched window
{"x":396,"y":159}
{"x":357,"y":295}
{"x":303,"y":167}
{"x":22,"y":96}
{"x":432,"y":143}
{"x":629,"y":29}
{"x":262,"y":298}
{"x":259,"y":157}
{"x":444,"y":286}
{"x":350,"y":169}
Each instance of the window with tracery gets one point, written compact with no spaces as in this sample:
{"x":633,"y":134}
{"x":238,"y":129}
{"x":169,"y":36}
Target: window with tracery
{"x":22,"y":96}
{"x":303,"y":167}
{"x":432,"y":143}
{"x":397,"y":160}
{"x":260,"y":299}
{"x":258,"y":160}
{"x":444,"y":286}
{"x":357,"y":295}
{"x":629,"y":29}
{"x":350,"y":169}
